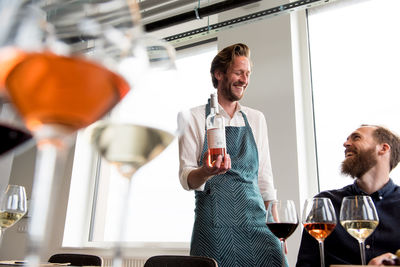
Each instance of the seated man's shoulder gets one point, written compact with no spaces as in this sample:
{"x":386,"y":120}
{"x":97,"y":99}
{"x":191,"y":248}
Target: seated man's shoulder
{"x":335,"y":194}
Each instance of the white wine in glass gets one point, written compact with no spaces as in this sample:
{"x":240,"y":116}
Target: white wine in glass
{"x":13,"y":206}
{"x":359,"y":217}
{"x":127,"y":146}
{"x":319,"y":220}
{"x":282,"y":221}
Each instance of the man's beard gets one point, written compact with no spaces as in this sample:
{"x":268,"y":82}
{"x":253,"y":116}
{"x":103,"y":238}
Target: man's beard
{"x":226,"y":90}
{"x":361,"y":162}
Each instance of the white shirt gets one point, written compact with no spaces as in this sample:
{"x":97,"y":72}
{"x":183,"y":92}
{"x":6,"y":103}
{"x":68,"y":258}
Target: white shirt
{"x":191,"y":144}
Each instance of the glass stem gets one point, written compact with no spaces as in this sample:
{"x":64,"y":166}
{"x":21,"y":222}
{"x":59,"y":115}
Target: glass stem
{"x":46,"y":158}
{"x":362,"y":251}
{"x":1,"y":234}
{"x":283,"y":251}
{"x":321,"y":252}
{"x":118,"y":256}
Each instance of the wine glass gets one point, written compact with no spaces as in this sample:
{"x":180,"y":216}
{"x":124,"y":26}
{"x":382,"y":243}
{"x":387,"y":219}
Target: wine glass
{"x":127,"y":147}
{"x":58,"y":84}
{"x":134,"y":135}
{"x":359,"y":217}
{"x":13,"y":207}
{"x":319,"y":219}
{"x":123,"y":140}
{"x":55,"y":94}
{"x":14,"y":135}
{"x":282,"y":221}
{"x":15,"y":139}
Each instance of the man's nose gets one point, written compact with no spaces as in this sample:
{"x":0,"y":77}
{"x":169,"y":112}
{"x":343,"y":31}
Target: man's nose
{"x":244,"y":78}
{"x":346,"y":143}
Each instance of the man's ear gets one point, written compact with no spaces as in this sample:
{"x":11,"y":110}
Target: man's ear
{"x":219,"y":75}
{"x":384,"y":148}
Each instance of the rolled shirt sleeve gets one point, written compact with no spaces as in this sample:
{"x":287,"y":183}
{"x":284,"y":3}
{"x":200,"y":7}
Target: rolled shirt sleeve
{"x":191,"y":144}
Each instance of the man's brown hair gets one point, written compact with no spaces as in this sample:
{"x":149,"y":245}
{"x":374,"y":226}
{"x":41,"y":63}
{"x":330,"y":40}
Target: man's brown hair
{"x":224,"y":59}
{"x":383,"y":135}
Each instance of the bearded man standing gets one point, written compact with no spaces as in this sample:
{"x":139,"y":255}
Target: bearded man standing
{"x":229,"y":223}
{"x":371,"y":152}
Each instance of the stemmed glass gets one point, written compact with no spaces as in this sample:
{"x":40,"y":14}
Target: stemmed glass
{"x":12,"y":131}
{"x":58,"y":87}
{"x":319,"y":219}
{"x":130,"y":137}
{"x":359,"y":217}
{"x":127,"y":147}
{"x":282,"y":221}
{"x":121,"y":138}
{"x":14,"y":136}
{"x":13,"y":207}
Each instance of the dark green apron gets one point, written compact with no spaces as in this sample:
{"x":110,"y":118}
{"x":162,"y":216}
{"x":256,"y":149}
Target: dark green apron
{"x":230,"y":213}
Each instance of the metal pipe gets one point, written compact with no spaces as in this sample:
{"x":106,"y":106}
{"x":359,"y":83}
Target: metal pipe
{"x":196,"y":14}
{"x":150,"y":4}
{"x":165,"y":8}
{"x":210,"y":31}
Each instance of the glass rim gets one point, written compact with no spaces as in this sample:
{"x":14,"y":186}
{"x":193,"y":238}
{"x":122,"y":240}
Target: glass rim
{"x":357,"y":197}
{"x":282,"y":200}
{"x":308,"y":201}
{"x":311,"y":198}
{"x":15,"y":185}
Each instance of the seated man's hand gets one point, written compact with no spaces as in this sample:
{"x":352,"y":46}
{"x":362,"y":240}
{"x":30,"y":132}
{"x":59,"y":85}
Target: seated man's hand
{"x":386,"y":259}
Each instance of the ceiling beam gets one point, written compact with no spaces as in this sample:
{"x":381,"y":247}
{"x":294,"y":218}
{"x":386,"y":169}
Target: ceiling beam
{"x":197,"y":13}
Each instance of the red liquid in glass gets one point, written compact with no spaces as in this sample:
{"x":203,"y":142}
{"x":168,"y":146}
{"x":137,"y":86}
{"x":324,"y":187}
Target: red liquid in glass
{"x":282,"y":230}
{"x":11,"y":137}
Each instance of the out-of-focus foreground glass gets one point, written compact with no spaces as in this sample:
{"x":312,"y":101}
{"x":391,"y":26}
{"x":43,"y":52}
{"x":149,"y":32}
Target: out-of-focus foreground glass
{"x":65,"y":64}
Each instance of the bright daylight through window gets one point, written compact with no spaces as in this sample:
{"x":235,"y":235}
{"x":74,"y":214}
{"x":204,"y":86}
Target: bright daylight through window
{"x":161,"y":210}
{"x":355,"y":63}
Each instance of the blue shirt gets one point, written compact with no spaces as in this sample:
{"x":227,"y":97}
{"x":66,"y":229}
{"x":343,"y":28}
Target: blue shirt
{"x":340,"y":247}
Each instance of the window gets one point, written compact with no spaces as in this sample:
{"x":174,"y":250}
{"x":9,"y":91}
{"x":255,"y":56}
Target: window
{"x":355,"y":62}
{"x":161,"y":210}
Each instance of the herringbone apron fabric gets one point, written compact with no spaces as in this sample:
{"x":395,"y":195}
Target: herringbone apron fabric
{"x":230,"y":213}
